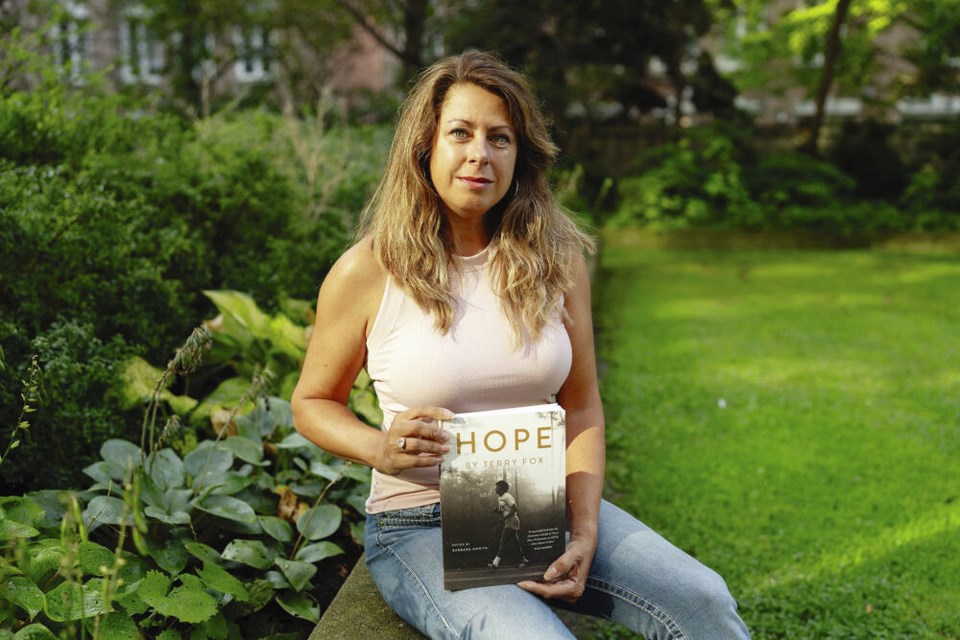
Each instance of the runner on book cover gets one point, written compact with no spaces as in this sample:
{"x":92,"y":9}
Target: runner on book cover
{"x":510,"y":523}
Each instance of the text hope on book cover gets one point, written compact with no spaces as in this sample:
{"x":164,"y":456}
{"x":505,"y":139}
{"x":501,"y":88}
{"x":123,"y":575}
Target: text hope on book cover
{"x":502,"y":495}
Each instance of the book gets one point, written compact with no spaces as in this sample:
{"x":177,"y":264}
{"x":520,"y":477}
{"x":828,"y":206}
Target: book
{"x":503,"y":495}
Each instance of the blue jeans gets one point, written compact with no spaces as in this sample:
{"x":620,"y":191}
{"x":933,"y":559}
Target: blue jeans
{"x":637,"y":579}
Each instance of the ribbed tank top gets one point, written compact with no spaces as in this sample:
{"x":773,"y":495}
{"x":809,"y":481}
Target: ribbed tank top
{"x":473,"y":367}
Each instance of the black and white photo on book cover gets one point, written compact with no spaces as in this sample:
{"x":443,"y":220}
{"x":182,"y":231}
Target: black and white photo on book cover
{"x":502,"y":495}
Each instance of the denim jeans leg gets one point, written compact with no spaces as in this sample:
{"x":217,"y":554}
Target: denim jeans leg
{"x":643,"y":582}
{"x":405,"y":558}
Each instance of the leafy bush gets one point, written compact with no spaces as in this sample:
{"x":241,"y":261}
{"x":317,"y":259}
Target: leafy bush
{"x":933,"y":193}
{"x":863,"y":151}
{"x":116,"y":219}
{"x":791,"y":178}
{"x":210,"y":533}
{"x":696,"y":181}
{"x":710,"y":178}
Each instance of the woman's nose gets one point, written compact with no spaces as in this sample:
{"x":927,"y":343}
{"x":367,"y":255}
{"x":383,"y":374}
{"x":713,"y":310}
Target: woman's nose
{"x":478,"y":151}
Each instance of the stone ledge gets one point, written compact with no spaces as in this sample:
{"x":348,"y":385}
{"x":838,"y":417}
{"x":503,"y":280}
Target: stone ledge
{"x":358,"y":611}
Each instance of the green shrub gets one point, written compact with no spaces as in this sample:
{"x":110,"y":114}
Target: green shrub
{"x":791,"y":178}
{"x":117,"y":219}
{"x":863,"y":151}
{"x":696,"y":181}
{"x":197,"y":532}
{"x":77,"y":366}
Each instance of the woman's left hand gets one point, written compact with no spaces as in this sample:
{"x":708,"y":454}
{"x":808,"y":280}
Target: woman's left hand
{"x":566,"y":578}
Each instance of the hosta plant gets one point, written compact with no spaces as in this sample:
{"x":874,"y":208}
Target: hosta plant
{"x":217,"y":536}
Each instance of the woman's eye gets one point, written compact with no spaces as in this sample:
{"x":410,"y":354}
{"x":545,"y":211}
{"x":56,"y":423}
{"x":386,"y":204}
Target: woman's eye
{"x":459,"y":134}
{"x":501,"y":140}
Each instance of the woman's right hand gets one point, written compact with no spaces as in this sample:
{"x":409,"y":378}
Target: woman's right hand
{"x":424,"y":442}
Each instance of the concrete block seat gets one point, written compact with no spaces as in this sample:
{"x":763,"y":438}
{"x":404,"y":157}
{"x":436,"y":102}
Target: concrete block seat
{"x":358,"y":612}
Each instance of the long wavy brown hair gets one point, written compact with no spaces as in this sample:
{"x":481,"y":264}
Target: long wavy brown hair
{"x":537,"y":243}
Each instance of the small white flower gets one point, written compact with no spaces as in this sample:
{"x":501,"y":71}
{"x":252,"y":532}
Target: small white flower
{"x":722,"y":403}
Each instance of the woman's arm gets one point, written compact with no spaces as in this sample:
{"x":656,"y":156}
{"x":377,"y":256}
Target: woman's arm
{"x":586,"y":454}
{"x":346,"y":307}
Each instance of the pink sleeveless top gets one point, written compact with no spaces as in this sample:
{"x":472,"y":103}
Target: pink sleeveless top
{"x":473,"y":367}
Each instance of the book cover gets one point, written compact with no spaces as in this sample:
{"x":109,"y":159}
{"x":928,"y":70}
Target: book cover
{"x":503,"y":495}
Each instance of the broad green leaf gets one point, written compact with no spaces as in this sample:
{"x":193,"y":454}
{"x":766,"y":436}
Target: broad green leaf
{"x":34,"y":632}
{"x":245,"y":449}
{"x":227,"y":395}
{"x":276,"y":528}
{"x":295,"y":441}
{"x":166,"y":469}
{"x":101,"y":472}
{"x":300,"y":605}
{"x":297,"y":572}
{"x":219,"y":579}
{"x":202,"y":552}
{"x":178,"y":517}
{"x":215,"y":628}
{"x":277,"y":579}
{"x":123,"y":453}
{"x":117,"y":625}
{"x":207,"y":458}
{"x":46,"y":556}
{"x":318,"y":551}
{"x":105,"y":510}
{"x":319,"y":522}
{"x":225,"y":482}
{"x":169,"y":634}
{"x":358,"y":502}
{"x":24,"y":593}
{"x":12,"y":530}
{"x":252,"y":553}
{"x":172,"y":557}
{"x":129,"y":598}
{"x":228,"y":507}
{"x":94,"y":557}
{"x":138,"y":379}
{"x":54,"y":505}
{"x":240,"y":311}
{"x":70,"y":601}
{"x":258,"y":423}
{"x":181,"y":405}
{"x":153,"y":587}
{"x":261,"y":593}
{"x":189,"y":602}
{"x":24,"y":510}
{"x":286,"y":337}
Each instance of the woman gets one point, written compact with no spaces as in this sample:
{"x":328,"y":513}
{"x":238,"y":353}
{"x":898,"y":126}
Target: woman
{"x":468,"y":291}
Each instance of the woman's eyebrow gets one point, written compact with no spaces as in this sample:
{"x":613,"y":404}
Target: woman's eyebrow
{"x":470,"y":123}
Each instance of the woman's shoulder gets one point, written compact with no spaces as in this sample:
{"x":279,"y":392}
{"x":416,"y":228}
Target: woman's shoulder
{"x":358,"y":266}
{"x":356,"y":278}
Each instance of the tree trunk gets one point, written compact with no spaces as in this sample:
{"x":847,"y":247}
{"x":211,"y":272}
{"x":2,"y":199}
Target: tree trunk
{"x":831,"y":55}
{"x":414,"y":26}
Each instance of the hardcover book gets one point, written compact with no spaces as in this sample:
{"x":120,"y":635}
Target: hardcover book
{"x":503,"y":495}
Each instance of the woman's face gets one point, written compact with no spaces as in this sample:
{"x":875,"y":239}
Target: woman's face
{"x":474,"y":153}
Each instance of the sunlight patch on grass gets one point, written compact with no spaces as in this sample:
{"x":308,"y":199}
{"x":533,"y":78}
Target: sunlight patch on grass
{"x":944,"y":519}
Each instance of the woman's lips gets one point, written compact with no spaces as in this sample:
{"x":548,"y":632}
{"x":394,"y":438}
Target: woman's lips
{"x":474,"y":183}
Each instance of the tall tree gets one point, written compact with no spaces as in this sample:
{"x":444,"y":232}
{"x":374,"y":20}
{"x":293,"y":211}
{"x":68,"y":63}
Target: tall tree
{"x":400,"y":26}
{"x":831,"y":54}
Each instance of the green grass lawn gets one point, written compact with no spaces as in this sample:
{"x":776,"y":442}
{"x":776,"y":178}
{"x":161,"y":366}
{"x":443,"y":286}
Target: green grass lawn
{"x":792,"y":418}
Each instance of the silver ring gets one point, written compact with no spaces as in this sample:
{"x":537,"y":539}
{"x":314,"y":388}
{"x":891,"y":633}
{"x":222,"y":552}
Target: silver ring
{"x":402,"y":444}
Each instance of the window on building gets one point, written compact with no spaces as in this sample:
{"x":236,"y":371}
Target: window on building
{"x":142,"y":51}
{"x":254,"y":47}
{"x":70,"y":40}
